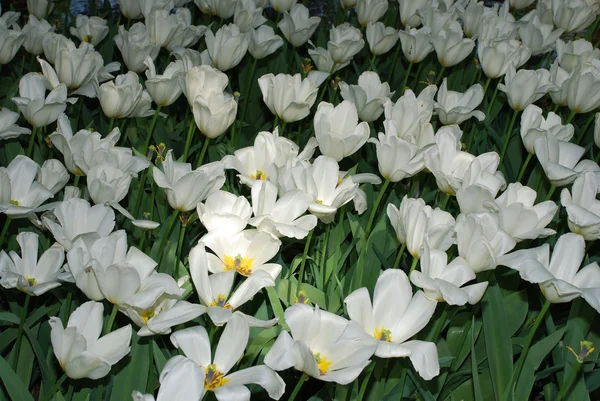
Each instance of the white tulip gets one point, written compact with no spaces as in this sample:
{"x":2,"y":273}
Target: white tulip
{"x":247,"y":15}
{"x":570,"y":54}
{"x":558,"y":159}
{"x":583,"y":209}
{"x":416,"y":43}
{"x":289,"y":97}
{"x":344,"y":43}
{"x":534,"y":125}
{"x":263,"y":42}
{"x":456,"y":107}
{"x":130,"y":9}
{"x":202,"y":80}
{"x":222,"y":8}
{"x":480,"y":183}
{"x":135,"y":46}
{"x":381,"y":39}
{"x":214,"y":114}
{"x":8,"y":127}
{"x":539,"y":37}
{"x":40,"y":8}
{"x":223,"y":210}
{"x":525,"y":87}
{"x":369,"y":96}
{"x":165,"y":88}
{"x":79,"y":348}
{"x":282,"y":5}
{"x":572,"y":16}
{"x":90,"y":29}
{"x":53,"y":43}
{"x":397,"y":159}
{"x":10,"y":42}
{"x":370,"y":11}
{"x":408,"y":11}
{"x":297,"y":25}
{"x":37,"y":108}
{"x":450,"y":46}
{"x":34,"y":32}
{"x":227,"y":47}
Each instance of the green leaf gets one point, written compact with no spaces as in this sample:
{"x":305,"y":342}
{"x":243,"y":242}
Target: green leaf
{"x":497,"y":339}
{"x":134,"y":375}
{"x":9,"y":318}
{"x":516,"y":307}
{"x":537,"y":353}
{"x":12,"y":383}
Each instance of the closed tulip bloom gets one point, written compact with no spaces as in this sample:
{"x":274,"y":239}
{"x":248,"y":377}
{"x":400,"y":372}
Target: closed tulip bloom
{"x":53,"y":175}
{"x":223,"y":210}
{"x":297,"y":25}
{"x":162,"y":26}
{"x":263,"y":42}
{"x":8,"y":127}
{"x":344,"y":42}
{"x":283,"y":5}
{"x":474,"y":15}
{"x":558,"y":159}
{"x":184,"y":382}
{"x":559,"y":276}
{"x":572,"y":16}
{"x":370,"y":11}
{"x":534,"y":125}
{"x":186,"y":34}
{"x":369,"y":96}
{"x":348,"y":4}
{"x":481,"y":241}
{"x":338,"y":131}
{"x":445,"y":282}
{"x":322,"y":345}
{"x":480,"y":183}
{"x":20,"y":193}
{"x":416,"y":223}
{"x":165,"y":88}
{"x":247,"y":15}
{"x":40,"y":8}
{"x":288,"y":97}
{"x":323,"y":61}
{"x":215,"y":113}
{"x":37,"y":108}
{"x":393,"y":328}
{"x":75,"y":219}
{"x":10,"y":42}
{"x":416,"y":43}
{"x":498,"y":27}
{"x":120,"y":97}
{"x":27,"y":273}
{"x":79,"y":348}
{"x":408,"y":12}
{"x":583,"y":87}
{"x":76,"y":68}
{"x":130,"y":9}
{"x":540,"y":38}
{"x":53,"y":43}
{"x":34,"y":32}
{"x":107,"y":183}
{"x":381,"y":38}
{"x":397,"y":159}
{"x":186,"y":188}
{"x":222,"y":8}
{"x":90,"y":29}
{"x":525,"y":87}
{"x":135,"y":46}
{"x":436,"y":19}
{"x":561,"y":78}
{"x":450,"y":46}
{"x":147,"y":6}
{"x":496,"y":56}
{"x":570,"y":54}
{"x":583,"y":209}
{"x":456,"y":107}
{"x":202,"y":80}
{"x":520,"y":217}
{"x":227,"y":47}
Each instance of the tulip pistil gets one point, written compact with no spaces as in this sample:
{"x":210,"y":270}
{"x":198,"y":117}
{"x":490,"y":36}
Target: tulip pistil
{"x":147,"y":315}
{"x":382,"y":334}
{"x":258,"y":175}
{"x":32,"y":281}
{"x":323,"y":363}
{"x":239,"y":263}
{"x":15,"y":202}
{"x":221,"y":301}
{"x":213,"y":378}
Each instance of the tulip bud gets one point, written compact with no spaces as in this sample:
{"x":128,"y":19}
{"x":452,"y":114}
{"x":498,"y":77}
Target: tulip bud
{"x":416,"y":44}
{"x":135,"y":46}
{"x":263,"y":42}
{"x":247,"y":16}
{"x":120,"y":97}
{"x":381,"y":38}
{"x":227,"y":47}
{"x":369,"y":96}
{"x":222,"y":8}
{"x":130,"y":9}
{"x":282,"y":5}
{"x":370,"y":11}
{"x":344,"y":42}
{"x":40,"y":8}
{"x":215,"y":113}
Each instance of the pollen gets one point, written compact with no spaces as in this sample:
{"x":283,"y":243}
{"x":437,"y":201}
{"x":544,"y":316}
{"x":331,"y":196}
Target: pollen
{"x":147,"y":315}
{"x":258,"y":175}
{"x":323,"y":363}
{"x":239,"y":263}
{"x":221,"y":301}
{"x":382,"y":334}
{"x":32,"y":281}
{"x":213,"y":378}
{"x":15,"y":202}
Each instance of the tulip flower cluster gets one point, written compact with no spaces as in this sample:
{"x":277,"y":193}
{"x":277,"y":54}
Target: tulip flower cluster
{"x":332,"y":192}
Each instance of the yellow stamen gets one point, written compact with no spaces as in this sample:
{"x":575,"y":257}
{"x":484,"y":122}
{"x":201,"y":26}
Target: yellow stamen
{"x":323,"y":363}
{"x":302,"y":297}
{"x":32,"y":281}
{"x":147,"y":315}
{"x":15,"y":202}
{"x":239,"y":263}
{"x":221,"y":301}
{"x":258,"y":175}
{"x":214,"y":378}
{"x":382,"y":334}
{"x":319,"y":201}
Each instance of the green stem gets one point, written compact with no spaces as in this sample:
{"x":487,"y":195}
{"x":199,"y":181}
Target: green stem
{"x":298,"y":387}
{"x":439,"y":324}
{"x":303,"y":263}
{"x":508,"y":133}
{"x":144,"y":233}
{"x":583,"y":131}
{"x":31,"y":141}
{"x":325,"y":84}
{"x":151,"y":366}
{"x":4,"y":230}
{"x":247,"y":97}
{"x":571,"y":116}
{"x":407,"y":74}
{"x":54,"y":388}
{"x":151,"y":130}
{"x":413,"y":266}
{"x":524,"y":167}
{"x":188,"y":139}
{"x":568,"y":381}
{"x":550,"y":192}
{"x":21,"y":328}
{"x":365,"y":382}
{"x":65,"y":316}
{"x":203,"y":152}
{"x":363,"y":250}
{"x":487,"y":84}
{"x":163,"y":242}
{"x":324,"y":254}
{"x":373,"y":63}
{"x":111,"y":319}
{"x":440,"y":76}
{"x":523,"y":356}
{"x":179,"y":247}
{"x":111,"y":124}
{"x":389,"y":78}
{"x":399,"y":256}
{"x":489,"y":109}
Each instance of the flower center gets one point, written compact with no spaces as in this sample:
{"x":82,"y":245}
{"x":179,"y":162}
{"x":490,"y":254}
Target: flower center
{"x":32,"y":281}
{"x":323,"y":363}
{"x":258,"y":175}
{"x":15,"y":202}
{"x":382,"y":334}
{"x":213,"y":378}
{"x":221,"y":301}
{"x":239,"y":263}
{"x":147,"y":315}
